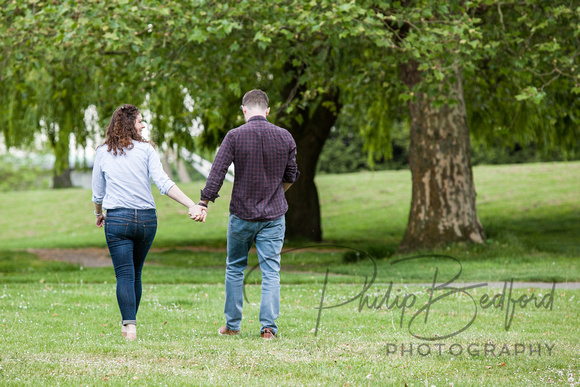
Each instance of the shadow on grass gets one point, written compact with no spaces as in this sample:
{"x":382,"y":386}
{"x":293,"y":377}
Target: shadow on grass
{"x":557,"y":232}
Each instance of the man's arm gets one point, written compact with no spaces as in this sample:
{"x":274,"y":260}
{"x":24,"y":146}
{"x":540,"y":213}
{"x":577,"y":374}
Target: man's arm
{"x":219,"y":168}
{"x":291,"y":173}
{"x":193,"y":209}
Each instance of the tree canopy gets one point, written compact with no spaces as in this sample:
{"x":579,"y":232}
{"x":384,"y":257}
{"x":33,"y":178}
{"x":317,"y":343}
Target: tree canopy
{"x":351,"y":60}
{"x":516,"y":56}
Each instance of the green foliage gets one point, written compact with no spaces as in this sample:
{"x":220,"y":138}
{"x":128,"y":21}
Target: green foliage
{"x":346,"y":151}
{"x":18,"y":174}
{"x":342,"y":154}
{"x":517,"y":60}
{"x":523,"y":90}
{"x":517,"y":154}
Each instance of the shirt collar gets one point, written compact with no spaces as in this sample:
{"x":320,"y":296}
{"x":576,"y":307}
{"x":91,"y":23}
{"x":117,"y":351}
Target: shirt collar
{"x":261,"y":118}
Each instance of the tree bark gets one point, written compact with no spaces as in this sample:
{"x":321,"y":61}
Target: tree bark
{"x":62,"y":179}
{"x":310,"y":134}
{"x":443,"y":207}
{"x":182,"y":170}
{"x":61,"y":148}
{"x":166,"y":163}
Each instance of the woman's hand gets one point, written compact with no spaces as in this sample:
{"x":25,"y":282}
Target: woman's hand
{"x":198,"y":213}
{"x":100,"y":220}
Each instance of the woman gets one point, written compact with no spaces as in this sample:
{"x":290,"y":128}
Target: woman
{"x":123,"y":166}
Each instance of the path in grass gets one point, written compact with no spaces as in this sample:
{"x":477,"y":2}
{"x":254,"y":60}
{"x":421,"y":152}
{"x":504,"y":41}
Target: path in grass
{"x":99,"y":258}
{"x":96,"y":257}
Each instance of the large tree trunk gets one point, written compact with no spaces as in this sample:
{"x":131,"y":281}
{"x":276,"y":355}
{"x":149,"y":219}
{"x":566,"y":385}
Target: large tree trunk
{"x":166,"y":164}
{"x":62,"y":179}
{"x":182,"y":170}
{"x":443,"y":201}
{"x":61,"y":148}
{"x":303,"y":216}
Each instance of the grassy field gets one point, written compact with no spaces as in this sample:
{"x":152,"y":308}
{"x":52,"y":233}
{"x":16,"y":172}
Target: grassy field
{"x":527,"y":204}
{"x":59,"y":322}
{"x":68,"y":334}
{"x":531,"y":214}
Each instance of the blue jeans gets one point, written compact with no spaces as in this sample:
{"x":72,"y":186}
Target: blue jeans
{"x":129,"y":234}
{"x":269,"y":238}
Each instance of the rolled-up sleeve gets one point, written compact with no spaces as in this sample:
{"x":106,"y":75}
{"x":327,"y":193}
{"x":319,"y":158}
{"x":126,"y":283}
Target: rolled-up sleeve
{"x":98,"y":182}
{"x":291,"y":173}
{"x":157,"y":174}
{"x":219,"y":168}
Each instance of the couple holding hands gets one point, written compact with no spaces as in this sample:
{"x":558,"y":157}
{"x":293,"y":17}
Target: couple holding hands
{"x":264,"y":158}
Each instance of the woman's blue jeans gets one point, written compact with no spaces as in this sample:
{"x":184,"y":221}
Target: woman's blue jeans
{"x":269,"y":239}
{"x":129,"y":234}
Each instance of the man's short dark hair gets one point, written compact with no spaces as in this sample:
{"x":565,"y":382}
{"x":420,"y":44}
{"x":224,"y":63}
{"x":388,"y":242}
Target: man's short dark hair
{"x":255,"y":99}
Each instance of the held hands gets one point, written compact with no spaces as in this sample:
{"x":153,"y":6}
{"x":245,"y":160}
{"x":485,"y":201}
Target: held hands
{"x":198,"y":213}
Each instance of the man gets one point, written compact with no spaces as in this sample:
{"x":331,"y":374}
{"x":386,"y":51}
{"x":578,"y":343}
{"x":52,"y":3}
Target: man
{"x":264,"y":158}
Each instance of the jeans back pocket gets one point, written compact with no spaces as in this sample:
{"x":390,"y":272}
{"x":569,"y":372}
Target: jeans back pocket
{"x":149,"y":231}
{"x":116,"y":229}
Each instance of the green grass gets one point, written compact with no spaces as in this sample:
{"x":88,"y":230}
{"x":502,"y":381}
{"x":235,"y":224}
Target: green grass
{"x":530,"y":213}
{"x":186,"y":267}
{"x":59,"y":322}
{"x":520,"y":202}
{"x":64,"y":219}
{"x":68,"y":334}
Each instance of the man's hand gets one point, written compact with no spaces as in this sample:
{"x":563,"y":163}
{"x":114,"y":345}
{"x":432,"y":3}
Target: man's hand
{"x":198,"y":213}
{"x":100,"y":220}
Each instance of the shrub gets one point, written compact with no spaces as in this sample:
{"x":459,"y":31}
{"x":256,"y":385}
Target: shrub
{"x":22,"y":173}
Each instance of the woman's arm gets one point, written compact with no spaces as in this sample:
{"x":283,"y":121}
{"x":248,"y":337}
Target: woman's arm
{"x":100,"y":220}
{"x":98,"y":185}
{"x":176,"y":194}
{"x":166,"y":186}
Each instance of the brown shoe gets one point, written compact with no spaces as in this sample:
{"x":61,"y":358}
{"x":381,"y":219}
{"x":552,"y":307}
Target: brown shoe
{"x":268,"y":334}
{"x":225,"y":331}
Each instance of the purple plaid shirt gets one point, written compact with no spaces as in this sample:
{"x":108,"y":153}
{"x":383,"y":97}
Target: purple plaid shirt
{"x":264,"y":157}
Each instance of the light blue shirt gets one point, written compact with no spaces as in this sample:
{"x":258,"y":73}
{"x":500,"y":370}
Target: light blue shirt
{"x":122,"y":181}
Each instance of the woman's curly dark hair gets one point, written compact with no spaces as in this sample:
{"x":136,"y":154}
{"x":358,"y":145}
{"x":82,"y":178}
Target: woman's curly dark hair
{"x":121,"y":130}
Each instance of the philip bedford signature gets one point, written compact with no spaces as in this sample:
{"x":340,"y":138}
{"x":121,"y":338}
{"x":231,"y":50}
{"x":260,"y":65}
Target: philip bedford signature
{"x":503,"y":301}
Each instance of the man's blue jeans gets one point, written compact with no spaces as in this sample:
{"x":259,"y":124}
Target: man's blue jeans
{"x":269,"y":238}
{"x":129,"y":234}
